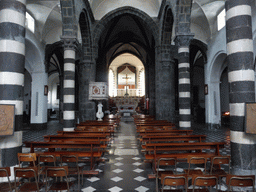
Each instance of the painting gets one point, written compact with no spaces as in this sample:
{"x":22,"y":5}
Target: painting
{"x":250,"y":118}
{"x":7,"y":116}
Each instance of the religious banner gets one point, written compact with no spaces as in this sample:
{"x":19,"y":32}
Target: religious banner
{"x":7,"y":116}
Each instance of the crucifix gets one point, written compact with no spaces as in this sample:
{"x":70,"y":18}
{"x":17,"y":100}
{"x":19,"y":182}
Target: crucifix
{"x":126,"y":78}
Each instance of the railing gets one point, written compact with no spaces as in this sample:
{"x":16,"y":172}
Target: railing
{"x":122,"y":92}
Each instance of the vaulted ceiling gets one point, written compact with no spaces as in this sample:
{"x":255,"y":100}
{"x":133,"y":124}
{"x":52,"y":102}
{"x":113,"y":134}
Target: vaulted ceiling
{"x":49,"y":25}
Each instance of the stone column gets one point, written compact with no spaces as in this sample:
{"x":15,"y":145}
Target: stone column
{"x":165,"y":85}
{"x":87,"y":108}
{"x":152,"y":90}
{"x":70,"y":45}
{"x":183,"y":41}
{"x":12,"y":63}
{"x":241,"y":83}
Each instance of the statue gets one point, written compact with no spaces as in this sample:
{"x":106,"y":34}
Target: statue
{"x":100,"y":114}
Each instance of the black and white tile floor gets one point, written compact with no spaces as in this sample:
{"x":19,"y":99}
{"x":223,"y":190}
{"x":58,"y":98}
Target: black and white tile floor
{"x":124,"y":169}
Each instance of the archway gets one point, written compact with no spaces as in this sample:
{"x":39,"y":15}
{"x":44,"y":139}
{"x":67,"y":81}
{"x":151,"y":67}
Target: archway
{"x":127,"y":31}
{"x":127,"y":75}
{"x":213,"y":110}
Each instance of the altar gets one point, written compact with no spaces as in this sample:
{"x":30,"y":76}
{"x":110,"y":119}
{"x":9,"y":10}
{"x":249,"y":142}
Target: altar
{"x":126,"y":105}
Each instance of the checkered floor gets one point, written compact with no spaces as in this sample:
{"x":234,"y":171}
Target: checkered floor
{"x":124,"y":168}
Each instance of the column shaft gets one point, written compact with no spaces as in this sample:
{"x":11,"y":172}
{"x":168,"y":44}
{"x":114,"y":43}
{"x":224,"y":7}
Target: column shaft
{"x":241,"y":82}
{"x":12,"y":62}
{"x":69,"y":83}
{"x":184,"y":88}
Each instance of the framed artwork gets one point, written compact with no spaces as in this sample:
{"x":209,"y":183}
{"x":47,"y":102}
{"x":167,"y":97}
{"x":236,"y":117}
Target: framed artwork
{"x":7,"y":117}
{"x":250,"y":118}
{"x":46,"y":90}
{"x":206,"y":89}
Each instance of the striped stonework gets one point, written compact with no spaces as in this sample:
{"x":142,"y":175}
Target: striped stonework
{"x":184,"y":81}
{"x":70,"y":45}
{"x":241,"y":82}
{"x":12,"y":62}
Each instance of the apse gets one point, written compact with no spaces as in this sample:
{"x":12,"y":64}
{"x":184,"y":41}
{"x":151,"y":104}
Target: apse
{"x":126,"y":76}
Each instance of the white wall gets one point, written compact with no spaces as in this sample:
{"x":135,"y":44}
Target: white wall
{"x":39,"y":100}
{"x":53,"y":81}
{"x":216,"y":56}
{"x":27,"y":91}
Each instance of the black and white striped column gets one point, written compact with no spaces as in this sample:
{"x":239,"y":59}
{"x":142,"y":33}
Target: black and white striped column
{"x":183,"y":42}
{"x":12,"y":62}
{"x":241,"y":83}
{"x":70,"y":45}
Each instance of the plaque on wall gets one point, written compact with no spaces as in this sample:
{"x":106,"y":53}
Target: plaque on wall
{"x":250,"y":118}
{"x":7,"y":115}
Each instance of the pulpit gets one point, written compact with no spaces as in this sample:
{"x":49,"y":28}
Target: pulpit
{"x":98,"y":91}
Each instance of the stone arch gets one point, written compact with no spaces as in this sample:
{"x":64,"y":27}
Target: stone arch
{"x":69,"y":24}
{"x":146,"y":19}
{"x":86,"y":35}
{"x":216,"y":68}
{"x":167,"y":26}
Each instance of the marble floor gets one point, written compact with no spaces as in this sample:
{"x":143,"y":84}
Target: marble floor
{"x":124,"y":168}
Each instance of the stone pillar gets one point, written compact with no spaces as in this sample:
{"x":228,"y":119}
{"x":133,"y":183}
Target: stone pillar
{"x":87,"y":108}
{"x":183,"y":41}
{"x":70,"y":45}
{"x":165,"y":87}
{"x":12,"y":63}
{"x":152,"y":91}
{"x":241,"y":83}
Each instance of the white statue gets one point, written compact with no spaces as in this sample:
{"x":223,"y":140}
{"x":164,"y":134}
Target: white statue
{"x":100,"y":114}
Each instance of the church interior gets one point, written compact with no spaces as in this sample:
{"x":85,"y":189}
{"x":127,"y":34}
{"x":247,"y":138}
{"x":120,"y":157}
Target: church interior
{"x":131,"y":83}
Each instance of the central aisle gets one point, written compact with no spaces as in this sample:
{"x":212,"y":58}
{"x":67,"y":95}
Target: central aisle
{"x":124,"y":169}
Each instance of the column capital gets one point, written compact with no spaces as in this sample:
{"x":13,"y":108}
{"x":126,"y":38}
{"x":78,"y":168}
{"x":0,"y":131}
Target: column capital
{"x":70,"y":42}
{"x":86,"y":63}
{"x":183,"y":39}
{"x":167,"y":62}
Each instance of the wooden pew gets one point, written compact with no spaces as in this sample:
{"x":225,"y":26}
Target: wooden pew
{"x":171,"y":138}
{"x":82,"y":133}
{"x":111,"y":132}
{"x":91,"y":149}
{"x":91,"y":137}
{"x":154,"y":128}
{"x":180,"y":151}
{"x":165,"y":132}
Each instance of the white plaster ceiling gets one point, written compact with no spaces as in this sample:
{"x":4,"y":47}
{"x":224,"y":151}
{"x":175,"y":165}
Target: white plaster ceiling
{"x":126,"y":58}
{"x":48,"y":17}
{"x":102,"y":7}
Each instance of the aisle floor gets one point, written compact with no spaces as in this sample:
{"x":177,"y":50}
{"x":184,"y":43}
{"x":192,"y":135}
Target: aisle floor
{"x":124,"y":168}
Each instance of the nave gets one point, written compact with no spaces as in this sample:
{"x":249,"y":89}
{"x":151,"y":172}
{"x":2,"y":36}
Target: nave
{"x":124,"y":168}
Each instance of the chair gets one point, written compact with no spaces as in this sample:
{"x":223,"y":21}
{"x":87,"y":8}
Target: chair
{"x":216,"y":163}
{"x":6,"y":186}
{"x":59,"y":184}
{"x":240,"y":181}
{"x":27,"y":173}
{"x":204,"y":182}
{"x":45,"y":161}
{"x":195,"y":160}
{"x":27,"y":158}
{"x":216,"y":169}
{"x":164,"y":163}
{"x":174,"y":180}
{"x":73,"y":167}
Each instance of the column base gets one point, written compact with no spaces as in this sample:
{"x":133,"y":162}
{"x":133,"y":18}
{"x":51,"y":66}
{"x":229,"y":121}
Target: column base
{"x":38,"y":126}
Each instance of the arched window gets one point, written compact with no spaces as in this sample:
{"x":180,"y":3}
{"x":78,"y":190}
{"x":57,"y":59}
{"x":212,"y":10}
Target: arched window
{"x":111,"y":80}
{"x":221,"y":19}
{"x":30,"y":22}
